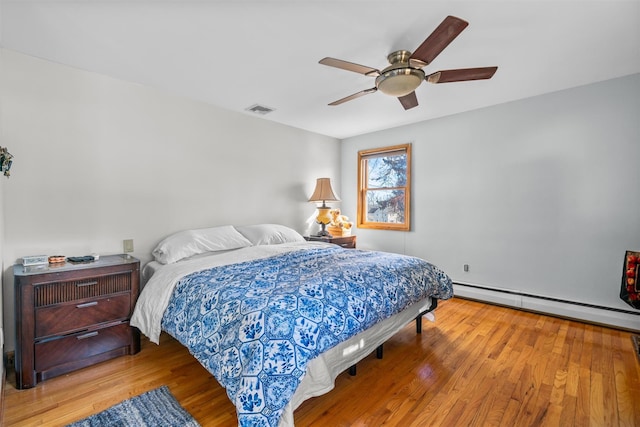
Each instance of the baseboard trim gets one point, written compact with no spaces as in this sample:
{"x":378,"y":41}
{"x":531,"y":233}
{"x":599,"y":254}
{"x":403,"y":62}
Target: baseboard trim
{"x":591,"y":313}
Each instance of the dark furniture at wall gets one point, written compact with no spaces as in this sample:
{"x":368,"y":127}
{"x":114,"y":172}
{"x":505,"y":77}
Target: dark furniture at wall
{"x":73,"y":315}
{"x":348,"y":242}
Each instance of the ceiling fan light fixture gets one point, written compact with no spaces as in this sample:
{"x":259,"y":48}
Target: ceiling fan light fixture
{"x":399,"y":82}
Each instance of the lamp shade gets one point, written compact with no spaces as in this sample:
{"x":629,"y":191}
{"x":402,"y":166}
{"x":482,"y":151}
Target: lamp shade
{"x":323,"y":192}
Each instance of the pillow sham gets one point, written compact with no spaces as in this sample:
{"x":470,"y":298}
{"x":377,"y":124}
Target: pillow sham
{"x":193,"y":242}
{"x":269,"y":234}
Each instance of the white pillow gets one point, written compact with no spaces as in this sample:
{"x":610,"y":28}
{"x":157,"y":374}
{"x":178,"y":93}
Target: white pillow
{"x":269,"y":234}
{"x":192,"y":242}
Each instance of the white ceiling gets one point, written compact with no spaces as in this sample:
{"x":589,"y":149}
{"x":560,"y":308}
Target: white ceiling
{"x":234,"y":54}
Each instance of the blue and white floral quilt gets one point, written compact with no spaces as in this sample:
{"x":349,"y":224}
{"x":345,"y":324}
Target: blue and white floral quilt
{"x":255,"y":325}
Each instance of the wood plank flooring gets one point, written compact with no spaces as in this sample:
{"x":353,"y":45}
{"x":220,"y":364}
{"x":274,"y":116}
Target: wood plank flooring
{"x":477,"y":365}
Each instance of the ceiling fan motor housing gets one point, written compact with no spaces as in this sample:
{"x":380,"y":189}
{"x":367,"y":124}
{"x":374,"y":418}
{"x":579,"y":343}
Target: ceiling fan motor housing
{"x":399,"y":79}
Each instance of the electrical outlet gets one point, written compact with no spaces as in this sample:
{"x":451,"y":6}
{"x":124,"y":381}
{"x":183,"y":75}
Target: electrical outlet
{"x":466,"y":267}
{"x":127,"y":245}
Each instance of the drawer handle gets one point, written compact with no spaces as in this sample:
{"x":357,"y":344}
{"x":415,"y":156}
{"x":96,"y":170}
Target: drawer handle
{"x":89,"y":335}
{"x":87,"y":304}
{"x":95,"y":282}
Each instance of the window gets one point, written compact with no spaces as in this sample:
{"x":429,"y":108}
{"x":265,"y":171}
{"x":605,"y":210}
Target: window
{"x":384,"y":178}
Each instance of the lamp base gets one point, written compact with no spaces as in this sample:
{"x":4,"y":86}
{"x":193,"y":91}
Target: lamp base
{"x":324,"y":235}
{"x":323,"y":232}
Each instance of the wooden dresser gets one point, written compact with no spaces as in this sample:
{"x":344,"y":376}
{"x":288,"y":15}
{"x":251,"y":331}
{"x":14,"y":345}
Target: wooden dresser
{"x":74,"y":315}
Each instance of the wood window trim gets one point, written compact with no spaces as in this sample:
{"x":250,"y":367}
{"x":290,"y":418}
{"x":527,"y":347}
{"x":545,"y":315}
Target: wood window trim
{"x":362,"y":190}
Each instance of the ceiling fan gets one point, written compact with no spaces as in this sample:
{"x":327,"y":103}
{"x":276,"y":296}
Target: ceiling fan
{"x":405,"y":74}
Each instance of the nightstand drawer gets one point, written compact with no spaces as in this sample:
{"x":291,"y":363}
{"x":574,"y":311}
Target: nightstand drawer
{"x":65,"y":318}
{"x":80,"y":346}
{"x":53,"y":293}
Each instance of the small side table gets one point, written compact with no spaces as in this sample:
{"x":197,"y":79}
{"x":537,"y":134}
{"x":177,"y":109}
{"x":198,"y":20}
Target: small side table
{"x":348,"y":242}
{"x":71,"y":316}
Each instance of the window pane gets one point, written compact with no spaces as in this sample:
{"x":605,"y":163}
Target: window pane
{"x":387,"y":171}
{"x":385,"y":206}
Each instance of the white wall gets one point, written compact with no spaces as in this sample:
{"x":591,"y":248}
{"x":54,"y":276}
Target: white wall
{"x":98,"y":160}
{"x":2,"y":335}
{"x":2,"y":282}
{"x":538,"y":196}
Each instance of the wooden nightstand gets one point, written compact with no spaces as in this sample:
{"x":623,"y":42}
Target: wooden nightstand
{"x":74,"y":315}
{"x":348,"y":242}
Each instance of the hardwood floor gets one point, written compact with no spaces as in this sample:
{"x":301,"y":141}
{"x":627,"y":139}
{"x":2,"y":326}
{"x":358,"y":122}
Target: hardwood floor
{"x":476,"y":365}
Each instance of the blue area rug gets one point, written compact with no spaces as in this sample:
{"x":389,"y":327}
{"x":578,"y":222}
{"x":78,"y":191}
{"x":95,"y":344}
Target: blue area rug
{"x":155,"y":408}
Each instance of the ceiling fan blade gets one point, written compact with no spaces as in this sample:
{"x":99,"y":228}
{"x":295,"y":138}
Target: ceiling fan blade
{"x":448,"y":30}
{"x":462,"y":74}
{"x":354,"y":96}
{"x":409,"y":101}
{"x":350,"y":66}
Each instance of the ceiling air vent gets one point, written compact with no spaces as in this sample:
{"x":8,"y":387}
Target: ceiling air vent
{"x":260,"y":109}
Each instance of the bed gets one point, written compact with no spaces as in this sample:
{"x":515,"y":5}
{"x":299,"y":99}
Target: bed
{"x":275,"y":318}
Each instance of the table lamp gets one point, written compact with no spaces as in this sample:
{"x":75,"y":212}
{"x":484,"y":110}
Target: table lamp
{"x":323,"y":193}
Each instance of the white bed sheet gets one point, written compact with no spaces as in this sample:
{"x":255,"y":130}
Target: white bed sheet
{"x":321,"y":371}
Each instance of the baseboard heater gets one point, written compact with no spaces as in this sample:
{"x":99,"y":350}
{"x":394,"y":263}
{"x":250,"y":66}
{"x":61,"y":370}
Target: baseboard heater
{"x":593,"y":313}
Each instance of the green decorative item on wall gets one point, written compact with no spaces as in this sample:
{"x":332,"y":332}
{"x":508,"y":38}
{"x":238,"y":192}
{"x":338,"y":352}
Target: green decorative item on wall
{"x":5,"y":161}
